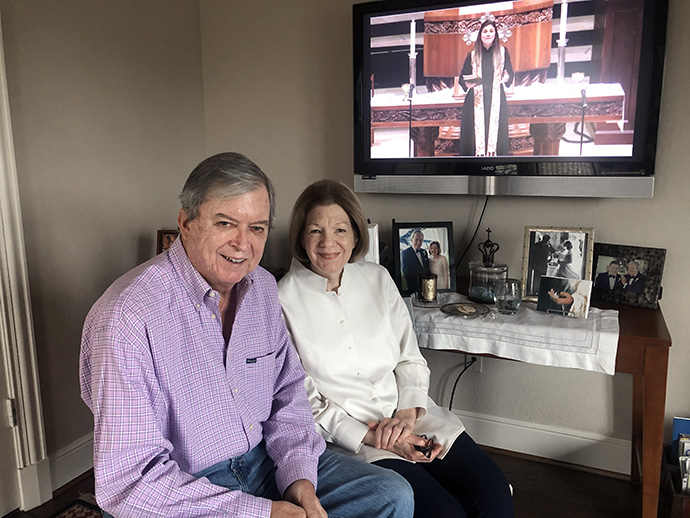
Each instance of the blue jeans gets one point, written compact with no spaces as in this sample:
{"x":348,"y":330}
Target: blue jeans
{"x":347,"y":487}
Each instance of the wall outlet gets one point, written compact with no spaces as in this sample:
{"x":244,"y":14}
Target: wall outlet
{"x":476,"y":366}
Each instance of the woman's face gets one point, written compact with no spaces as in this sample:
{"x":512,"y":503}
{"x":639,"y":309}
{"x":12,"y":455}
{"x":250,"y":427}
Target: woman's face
{"x":328,"y":239}
{"x":433,"y":250}
{"x":488,"y":36}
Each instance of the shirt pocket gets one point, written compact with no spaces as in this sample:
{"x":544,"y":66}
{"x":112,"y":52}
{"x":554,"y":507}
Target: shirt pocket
{"x":258,"y":380}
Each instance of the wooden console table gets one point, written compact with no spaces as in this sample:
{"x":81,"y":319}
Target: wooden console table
{"x":643,"y":348}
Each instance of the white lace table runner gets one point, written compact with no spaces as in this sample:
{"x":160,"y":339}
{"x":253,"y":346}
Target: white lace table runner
{"x":530,"y":336}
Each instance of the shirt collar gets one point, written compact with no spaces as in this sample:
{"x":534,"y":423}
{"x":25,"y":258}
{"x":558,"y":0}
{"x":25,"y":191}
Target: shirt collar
{"x":314,"y":280}
{"x":195,"y":284}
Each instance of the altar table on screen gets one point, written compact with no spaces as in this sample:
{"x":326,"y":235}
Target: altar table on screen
{"x":545,"y":107}
{"x":643,"y":348}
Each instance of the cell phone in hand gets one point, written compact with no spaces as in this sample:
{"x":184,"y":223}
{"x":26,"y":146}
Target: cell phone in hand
{"x":426,"y":448}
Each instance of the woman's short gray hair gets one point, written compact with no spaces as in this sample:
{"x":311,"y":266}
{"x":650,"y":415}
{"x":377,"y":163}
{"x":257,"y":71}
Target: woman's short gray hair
{"x":224,"y":176}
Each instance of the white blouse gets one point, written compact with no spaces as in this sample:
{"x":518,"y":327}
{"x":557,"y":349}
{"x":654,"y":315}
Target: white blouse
{"x":361,"y":356}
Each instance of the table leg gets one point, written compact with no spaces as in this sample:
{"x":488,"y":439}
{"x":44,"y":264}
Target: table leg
{"x":637,"y":420}
{"x":424,"y":138}
{"x":654,"y":404}
{"x":547,"y":137}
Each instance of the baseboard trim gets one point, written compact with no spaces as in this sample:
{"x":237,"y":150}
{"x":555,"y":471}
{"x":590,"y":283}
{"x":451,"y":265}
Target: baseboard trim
{"x":561,"y":444}
{"x":71,"y":461}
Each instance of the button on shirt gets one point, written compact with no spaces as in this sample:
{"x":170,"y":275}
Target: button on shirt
{"x":170,"y":398}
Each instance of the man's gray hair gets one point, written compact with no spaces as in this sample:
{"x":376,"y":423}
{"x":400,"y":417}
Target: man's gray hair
{"x":224,"y":176}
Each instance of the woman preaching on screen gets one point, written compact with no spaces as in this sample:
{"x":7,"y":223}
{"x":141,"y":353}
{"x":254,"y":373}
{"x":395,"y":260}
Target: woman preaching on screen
{"x":485,"y":73}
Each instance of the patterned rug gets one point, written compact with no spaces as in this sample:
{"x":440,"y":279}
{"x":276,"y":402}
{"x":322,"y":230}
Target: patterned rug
{"x":80,"y":509}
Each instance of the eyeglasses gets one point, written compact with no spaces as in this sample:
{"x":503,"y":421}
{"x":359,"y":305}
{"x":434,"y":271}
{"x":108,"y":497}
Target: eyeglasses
{"x":426,"y":449}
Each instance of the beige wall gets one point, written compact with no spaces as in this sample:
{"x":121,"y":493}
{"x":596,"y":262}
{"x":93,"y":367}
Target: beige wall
{"x":107,"y":111}
{"x":277,"y":85}
{"x":113,"y":103}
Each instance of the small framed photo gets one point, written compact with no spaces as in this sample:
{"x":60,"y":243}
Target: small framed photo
{"x":564,"y":252}
{"x":567,"y":297}
{"x":165,"y":239}
{"x":628,"y":274}
{"x":423,"y":248}
{"x":373,"y":254}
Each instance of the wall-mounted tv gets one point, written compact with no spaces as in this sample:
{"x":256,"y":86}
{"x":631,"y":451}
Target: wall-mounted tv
{"x":524,"y":97}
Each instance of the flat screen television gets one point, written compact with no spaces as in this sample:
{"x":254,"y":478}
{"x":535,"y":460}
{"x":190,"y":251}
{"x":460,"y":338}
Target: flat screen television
{"x":564,"y":100}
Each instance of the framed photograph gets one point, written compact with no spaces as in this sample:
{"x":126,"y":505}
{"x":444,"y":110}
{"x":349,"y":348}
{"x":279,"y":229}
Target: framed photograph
{"x":373,"y":254}
{"x":422,"y":248}
{"x":564,"y":252}
{"x":628,"y":274}
{"x":165,"y":239}
{"x":567,"y":297}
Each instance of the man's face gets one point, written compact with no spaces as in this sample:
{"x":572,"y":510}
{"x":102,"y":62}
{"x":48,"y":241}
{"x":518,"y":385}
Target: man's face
{"x":632,"y":268}
{"x":417,"y":240}
{"x":226,"y":240}
{"x":612,"y":268}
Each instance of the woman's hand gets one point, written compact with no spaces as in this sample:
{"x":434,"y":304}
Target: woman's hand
{"x":393,"y":429}
{"x":406,"y":449}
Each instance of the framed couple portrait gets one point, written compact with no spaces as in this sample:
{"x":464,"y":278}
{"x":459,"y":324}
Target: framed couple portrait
{"x":564,"y":252}
{"x":165,"y":239}
{"x":422,"y":248}
{"x":628,"y":274}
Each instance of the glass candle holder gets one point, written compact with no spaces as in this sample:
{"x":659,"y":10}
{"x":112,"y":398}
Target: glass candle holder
{"x":482,"y":281}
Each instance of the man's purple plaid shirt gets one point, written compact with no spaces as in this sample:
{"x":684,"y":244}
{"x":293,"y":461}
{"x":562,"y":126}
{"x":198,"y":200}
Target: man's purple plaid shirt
{"x":169,"y":398}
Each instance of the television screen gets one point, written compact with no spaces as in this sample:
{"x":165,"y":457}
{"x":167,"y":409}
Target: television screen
{"x":524,"y":87}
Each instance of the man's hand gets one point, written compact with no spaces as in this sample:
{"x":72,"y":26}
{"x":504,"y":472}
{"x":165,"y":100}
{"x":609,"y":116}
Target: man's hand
{"x":300,"y":500}
{"x":563,"y":297}
{"x":283,"y":509}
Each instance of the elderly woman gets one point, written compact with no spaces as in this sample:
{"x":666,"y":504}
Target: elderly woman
{"x":438,"y":264}
{"x":366,"y":379}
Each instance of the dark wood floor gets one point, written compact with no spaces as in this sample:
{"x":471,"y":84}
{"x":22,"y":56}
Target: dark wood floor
{"x":62,"y":498}
{"x":541,"y":490}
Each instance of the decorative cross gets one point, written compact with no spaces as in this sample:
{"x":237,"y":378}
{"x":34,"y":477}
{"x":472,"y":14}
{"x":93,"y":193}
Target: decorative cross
{"x":488,"y":248}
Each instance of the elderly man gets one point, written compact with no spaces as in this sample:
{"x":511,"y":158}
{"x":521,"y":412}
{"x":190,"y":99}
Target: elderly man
{"x":197,"y":392}
{"x":414,"y":261}
{"x":634,"y":281}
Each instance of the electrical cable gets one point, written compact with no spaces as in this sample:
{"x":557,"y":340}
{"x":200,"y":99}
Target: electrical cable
{"x":576,"y":129}
{"x":467,"y":366}
{"x":481,"y":216}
